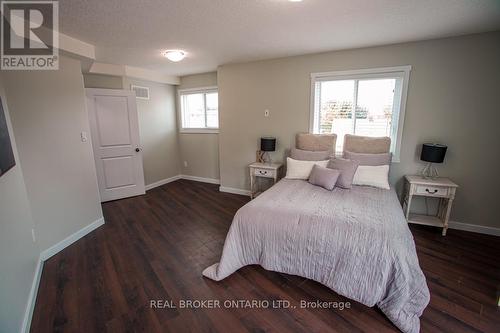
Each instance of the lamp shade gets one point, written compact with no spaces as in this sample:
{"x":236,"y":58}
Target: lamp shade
{"x":268,"y":144}
{"x":433,"y":152}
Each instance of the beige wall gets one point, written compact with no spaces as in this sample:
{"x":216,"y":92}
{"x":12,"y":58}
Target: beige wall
{"x":158,"y":131}
{"x":199,"y":151}
{"x":452,"y":99}
{"x":48,"y":114}
{"x":103,"y":81}
{"x":18,"y":253}
{"x":198,"y":80}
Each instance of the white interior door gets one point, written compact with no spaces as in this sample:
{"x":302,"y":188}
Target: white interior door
{"x":115,"y":139}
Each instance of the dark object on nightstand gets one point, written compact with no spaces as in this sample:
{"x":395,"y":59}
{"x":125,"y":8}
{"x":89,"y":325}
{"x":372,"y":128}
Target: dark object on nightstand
{"x":267,"y":144}
{"x":432,"y":153}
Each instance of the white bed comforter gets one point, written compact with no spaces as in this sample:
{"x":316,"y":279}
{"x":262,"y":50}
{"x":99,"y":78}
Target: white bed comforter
{"x":356,"y":242}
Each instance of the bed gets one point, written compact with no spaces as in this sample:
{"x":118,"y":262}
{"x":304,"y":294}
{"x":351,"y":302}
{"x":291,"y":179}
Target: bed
{"x":356,"y":242}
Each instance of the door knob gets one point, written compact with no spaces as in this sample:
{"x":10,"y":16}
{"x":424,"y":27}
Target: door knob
{"x":137,"y":149}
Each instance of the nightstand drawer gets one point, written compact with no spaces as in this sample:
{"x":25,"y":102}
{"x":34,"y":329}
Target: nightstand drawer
{"x":269,"y":173}
{"x":431,"y":191}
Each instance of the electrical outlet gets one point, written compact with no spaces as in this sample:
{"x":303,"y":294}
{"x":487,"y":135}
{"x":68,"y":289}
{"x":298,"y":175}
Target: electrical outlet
{"x":84,"y":136}
{"x":33,"y":235}
{"x":185,"y":164}
{"x":266,"y":113}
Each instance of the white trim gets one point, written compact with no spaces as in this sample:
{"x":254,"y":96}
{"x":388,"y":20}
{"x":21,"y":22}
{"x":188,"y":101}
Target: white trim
{"x":234,"y":190}
{"x":46,"y":254}
{"x":162,"y":182}
{"x":364,"y":73}
{"x":188,"y":177}
{"x":312,"y":102}
{"x":401,"y":116}
{"x":481,"y":229}
{"x":199,"y":130}
{"x":201,"y":179}
{"x":198,"y":90}
{"x":394,"y":69}
{"x":30,"y":306}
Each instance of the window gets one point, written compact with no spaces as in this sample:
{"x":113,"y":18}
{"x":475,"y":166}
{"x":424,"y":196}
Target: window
{"x":367,"y":102}
{"x":199,"y":110}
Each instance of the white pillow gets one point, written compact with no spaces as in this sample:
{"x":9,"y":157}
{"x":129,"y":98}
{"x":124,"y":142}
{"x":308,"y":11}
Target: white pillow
{"x":376,"y":176}
{"x":296,"y":169}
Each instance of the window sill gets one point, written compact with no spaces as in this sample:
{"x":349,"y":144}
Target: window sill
{"x":199,"y":130}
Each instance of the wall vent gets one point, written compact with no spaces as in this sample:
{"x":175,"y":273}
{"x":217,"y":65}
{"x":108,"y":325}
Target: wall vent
{"x":140,"y":92}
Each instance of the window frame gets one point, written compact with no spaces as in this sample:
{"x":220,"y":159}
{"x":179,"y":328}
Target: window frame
{"x":190,"y":91}
{"x":368,"y":73}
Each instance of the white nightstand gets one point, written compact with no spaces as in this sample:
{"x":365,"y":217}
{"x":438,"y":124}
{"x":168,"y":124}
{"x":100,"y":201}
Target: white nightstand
{"x":442,"y":188}
{"x":265,"y":170}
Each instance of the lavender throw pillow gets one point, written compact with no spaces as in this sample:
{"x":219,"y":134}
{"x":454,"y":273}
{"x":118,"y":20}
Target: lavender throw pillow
{"x":324,"y":177}
{"x":369,"y":159}
{"x":347,"y":169}
{"x":309,"y":155}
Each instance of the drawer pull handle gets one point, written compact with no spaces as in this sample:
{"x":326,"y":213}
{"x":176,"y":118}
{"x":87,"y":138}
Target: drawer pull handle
{"x":433,"y":192}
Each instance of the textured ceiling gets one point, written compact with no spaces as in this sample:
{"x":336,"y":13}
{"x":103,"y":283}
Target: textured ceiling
{"x":215,"y":32}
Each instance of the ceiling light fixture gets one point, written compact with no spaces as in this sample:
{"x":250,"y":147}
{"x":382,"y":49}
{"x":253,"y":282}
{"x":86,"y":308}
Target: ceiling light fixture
{"x":294,"y":0}
{"x":174,"y":55}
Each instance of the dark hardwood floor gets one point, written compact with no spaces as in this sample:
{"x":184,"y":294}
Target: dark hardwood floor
{"x":154,"y":247}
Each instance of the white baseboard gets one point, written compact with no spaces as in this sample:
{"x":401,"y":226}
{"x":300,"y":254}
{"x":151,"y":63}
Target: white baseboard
{"x":46,"y":254}
{"x":234,"y":190}
{"x":188,"y":177}
{"x":474,"y":228}
{"x":162,"y":182}
{"x":30,"y":306}
{"x":201,"y":179}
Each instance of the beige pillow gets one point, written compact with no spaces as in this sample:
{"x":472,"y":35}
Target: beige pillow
{"x":369,"y":159}
{"x":296,"y":169}
{"x":308,"y":155}
{"x":366,"y":144}
{"x":316,"y":142}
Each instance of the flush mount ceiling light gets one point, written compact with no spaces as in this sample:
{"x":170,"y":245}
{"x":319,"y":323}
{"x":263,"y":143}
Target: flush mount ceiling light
{"x":174,"y":55}
{"x":294,"y":0}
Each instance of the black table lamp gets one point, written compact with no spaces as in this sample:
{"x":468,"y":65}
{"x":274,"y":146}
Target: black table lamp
{"x":267,"y":144}
{"x":432,"y":153}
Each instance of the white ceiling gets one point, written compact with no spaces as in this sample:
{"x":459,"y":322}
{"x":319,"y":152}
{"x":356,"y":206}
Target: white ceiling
{"x":216,"y":32}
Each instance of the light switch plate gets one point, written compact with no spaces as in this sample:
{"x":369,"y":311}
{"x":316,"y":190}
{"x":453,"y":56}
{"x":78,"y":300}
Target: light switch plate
{"x":84,"y":136}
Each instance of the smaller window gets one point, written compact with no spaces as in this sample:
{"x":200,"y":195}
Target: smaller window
{"x":199,"y":110}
